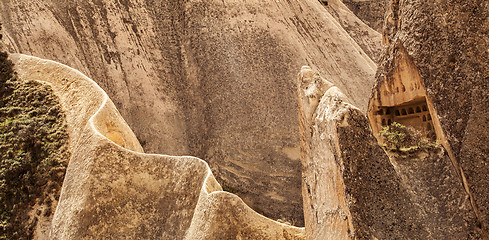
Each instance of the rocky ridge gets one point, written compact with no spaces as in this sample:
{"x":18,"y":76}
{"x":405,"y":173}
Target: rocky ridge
{"x":355,"y":189}
{"x":191,"y":76}
{"x":114,"y":191}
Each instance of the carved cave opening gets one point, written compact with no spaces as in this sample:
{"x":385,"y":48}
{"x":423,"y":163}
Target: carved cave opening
{"x":401,"y":98}
{"x":413,"y":114}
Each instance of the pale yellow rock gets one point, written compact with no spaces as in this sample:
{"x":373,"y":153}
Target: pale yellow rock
{"x":207,"y":78}
{"x":326,"y":213}
{"x":114,"y":191}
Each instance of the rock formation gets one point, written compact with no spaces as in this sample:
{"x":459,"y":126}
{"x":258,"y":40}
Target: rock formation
{"x":364,"y":35}
{"x":215,"y":79}
{"x":114,"y":191}
{"x":212,"y":79}
{"x":354,"y":190}
{"x":369,"y":11}
{"x":438,"y":54}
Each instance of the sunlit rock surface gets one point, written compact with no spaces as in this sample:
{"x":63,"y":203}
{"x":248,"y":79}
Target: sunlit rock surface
{"x":354,"y":189}
{"x":114,"y":191}
{"x":212,"y":79}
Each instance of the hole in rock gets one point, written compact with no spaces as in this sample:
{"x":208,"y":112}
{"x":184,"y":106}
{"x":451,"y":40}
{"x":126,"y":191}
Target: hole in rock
{"x":415,"y":119}
{"x":405,"y":105}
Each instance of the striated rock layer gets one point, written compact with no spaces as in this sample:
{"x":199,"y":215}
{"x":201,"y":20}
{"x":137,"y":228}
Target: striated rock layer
{"x":212,"y":79}
{"x":114,"y":191}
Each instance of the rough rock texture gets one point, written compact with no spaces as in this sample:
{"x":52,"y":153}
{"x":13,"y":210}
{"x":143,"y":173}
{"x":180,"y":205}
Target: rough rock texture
{"x":113,"y":191}
{"x":353,"y":190}
{"x":435,"y":188}
{"x":212,"y":79}
{"x":363,"y":33}
{"x":369,"y":11}
{"x":448,"y":43}
{"x":222,"y":215}
{"x":350,"y":189}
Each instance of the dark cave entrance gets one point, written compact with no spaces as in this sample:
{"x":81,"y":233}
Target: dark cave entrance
{"x":413,"y":114}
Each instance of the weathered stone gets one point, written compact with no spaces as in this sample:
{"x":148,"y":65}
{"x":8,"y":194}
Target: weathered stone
{"x":350,"y":189}
{"x":221,"y":215}
{"x":212,"y":79}
{"x":434,"y":187}
{"x":114,"y":191}
{"x":366,"y":37}
{"x":447,"y":43}
{"x":370,"y":11}
{"x":354,"y":190}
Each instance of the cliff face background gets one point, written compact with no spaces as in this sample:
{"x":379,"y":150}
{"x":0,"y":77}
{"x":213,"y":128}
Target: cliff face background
{"x":436,"y":54}
{"x":448,"y":43}
{"x":212,"y":79}
{"x":217,"y":80}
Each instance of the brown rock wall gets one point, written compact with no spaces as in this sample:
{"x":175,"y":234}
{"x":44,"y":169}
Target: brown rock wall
{"x":448,"y":42}
{"x":113,"y":191}
{"x":355,"y":189}
{"x":211,"y":79}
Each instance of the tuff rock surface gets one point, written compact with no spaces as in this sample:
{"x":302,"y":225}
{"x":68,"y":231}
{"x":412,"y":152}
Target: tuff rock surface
{"x":354,"y":189}
{"x":371,"y":12}
{"x":215,"y":79}
{"x":447,"y":45}
{"x":212,"y":79}
{"x":114,"y":191}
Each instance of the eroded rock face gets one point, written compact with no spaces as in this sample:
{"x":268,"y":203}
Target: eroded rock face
{"x":212,"y":79}
{"x":447,"y":43}
{"x":355,"y":22}
{"x":354,"y":189}
{"x":434,"y":187}
{"x":350,"y":189}
{"x":369,"y":11}
{"x":401,"y":97}
{"x":114,"y":191}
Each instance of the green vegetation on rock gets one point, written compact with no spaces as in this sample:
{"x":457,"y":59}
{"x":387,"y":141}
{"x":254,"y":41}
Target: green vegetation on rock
{"x":33,"y":151}
{"x":399,"y":137}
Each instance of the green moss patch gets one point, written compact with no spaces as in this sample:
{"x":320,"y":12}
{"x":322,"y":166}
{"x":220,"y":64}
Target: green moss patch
{"x":33,"y":151}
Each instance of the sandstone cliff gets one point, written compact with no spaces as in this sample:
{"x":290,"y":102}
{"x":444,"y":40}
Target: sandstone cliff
{"x":114,"y":191}
{"x":438,"y":56}
{"x":212,"y":79}
{"x":354,"y":190}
